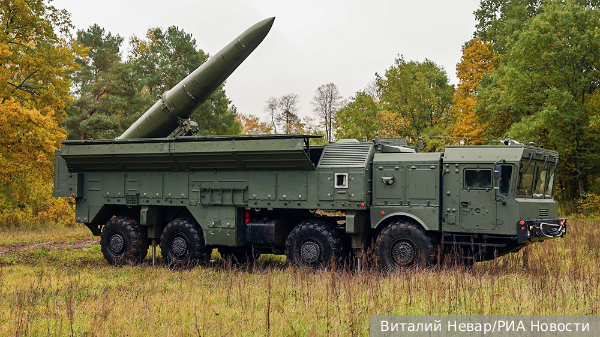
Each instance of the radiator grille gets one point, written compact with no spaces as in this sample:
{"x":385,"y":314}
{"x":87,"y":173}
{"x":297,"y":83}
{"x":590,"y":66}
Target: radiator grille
{"x":543,"y":213}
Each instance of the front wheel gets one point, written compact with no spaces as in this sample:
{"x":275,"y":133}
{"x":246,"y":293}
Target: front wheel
{"x":123,"y":241}
{"x":403,"y":245}
{"x":182,"y":244}
{"x":315,"y":244}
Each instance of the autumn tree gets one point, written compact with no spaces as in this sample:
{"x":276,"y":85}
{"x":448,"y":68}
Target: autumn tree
{"x":326,"y":102}
{"x":252,"y":125}
{"x":415,"y":97}
{"x":28,"y":139}
{"x":35,"y":59}
{"x":477,"y":61}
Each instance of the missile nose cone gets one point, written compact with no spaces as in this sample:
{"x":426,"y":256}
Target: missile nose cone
{"x":256,"y":33}
{"x":269,"y":21}
{"x":265,"y":24}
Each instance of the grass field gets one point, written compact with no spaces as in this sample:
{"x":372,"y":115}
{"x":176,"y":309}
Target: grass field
{"x":56,"y":283}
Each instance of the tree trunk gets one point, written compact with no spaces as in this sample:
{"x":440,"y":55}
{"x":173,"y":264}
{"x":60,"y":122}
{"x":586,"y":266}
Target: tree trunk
{"x":580,"y":177}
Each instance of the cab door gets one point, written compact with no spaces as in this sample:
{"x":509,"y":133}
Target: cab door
{"x":477,"y":206}
{"x":507,"y":208}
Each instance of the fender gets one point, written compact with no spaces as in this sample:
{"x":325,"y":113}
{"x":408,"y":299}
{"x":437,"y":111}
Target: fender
{"x":387,"y":217}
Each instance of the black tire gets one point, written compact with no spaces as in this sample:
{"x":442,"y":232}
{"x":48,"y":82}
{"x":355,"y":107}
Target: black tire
{"x":403,"y":245}
{"x":314,"y":243}
{"x":124,"y":241}
{"x":182,"y":244}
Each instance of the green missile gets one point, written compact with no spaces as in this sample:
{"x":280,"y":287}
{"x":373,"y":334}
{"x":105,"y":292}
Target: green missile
{"x":183,"y":99}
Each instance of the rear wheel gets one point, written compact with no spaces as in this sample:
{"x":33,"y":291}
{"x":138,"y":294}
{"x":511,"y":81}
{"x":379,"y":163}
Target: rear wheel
{"x":315,"y":244}
{"x":123,"y":241}
{"x":182,"y":244}
{"x":403,"y":245}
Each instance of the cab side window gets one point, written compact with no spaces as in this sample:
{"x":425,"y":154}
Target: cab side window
{"x":478,"y":179}
{"x":505,"y":180}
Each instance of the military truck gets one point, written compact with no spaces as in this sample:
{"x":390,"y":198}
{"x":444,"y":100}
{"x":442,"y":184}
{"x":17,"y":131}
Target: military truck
{"x":246,"y":195}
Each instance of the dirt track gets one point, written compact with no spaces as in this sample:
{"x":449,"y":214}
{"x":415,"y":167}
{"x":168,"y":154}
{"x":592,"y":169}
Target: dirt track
{"x":21,"y":247}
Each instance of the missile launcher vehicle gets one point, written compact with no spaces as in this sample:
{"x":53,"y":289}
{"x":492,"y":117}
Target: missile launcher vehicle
{"x":246,"y":195}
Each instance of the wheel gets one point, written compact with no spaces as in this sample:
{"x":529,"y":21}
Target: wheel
{"x":403,"y":245}
{"x":182,"y":244}
{"x":315,"y":244}
{"x":123,"y":241}
{"x":245,"y":255}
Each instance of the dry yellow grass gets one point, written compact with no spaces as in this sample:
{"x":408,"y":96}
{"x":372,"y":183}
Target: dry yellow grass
{"x":62,"y":289}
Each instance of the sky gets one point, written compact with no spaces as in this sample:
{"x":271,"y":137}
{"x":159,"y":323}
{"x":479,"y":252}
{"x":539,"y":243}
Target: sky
{"x":311,"y":43}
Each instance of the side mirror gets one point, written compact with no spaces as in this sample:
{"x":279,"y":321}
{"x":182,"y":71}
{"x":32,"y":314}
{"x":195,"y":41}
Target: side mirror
{"x":497,"y":171}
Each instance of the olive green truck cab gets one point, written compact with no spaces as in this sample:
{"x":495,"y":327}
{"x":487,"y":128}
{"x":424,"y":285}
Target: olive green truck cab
{"x":246,"y":195}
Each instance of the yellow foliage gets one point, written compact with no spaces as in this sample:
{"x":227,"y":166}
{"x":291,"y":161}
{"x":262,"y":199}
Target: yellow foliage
{"x":393,"y":124}
{"x":28,"y":139}
{"x":589,"y":204}
{"x":477,"y":61}
{"x":251,"y":125}
{"x":34,"y":60}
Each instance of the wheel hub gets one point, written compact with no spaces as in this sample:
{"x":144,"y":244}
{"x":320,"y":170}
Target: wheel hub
{"x":310,"y":251}
{"x":403,"y":253}
{"x":179,"y":247}
{"x":117,"y":243}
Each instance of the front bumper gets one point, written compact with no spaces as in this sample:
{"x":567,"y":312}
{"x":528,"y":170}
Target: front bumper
{"x":541,"y":229}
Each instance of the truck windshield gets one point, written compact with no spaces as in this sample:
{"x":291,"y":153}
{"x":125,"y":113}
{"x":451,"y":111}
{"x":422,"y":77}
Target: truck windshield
{"x":526,"y":173}
{"x":541,"y":173}
{"x":551,"y":179}
{"x":536,"y":178}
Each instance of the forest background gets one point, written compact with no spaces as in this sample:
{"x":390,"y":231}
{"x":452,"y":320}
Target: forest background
{"x":531,"y":72}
